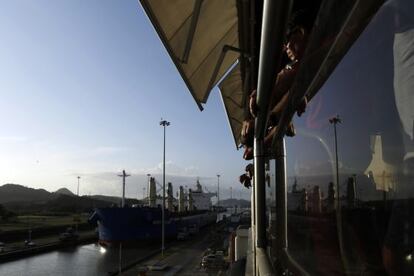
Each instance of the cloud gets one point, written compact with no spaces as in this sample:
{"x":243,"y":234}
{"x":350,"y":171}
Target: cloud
{"x":109,"y":150}
{"x":171,"y":169}
{"x":304,"y":168}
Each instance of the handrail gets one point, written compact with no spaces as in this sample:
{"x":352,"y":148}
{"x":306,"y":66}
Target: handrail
{"x":274,"y":23}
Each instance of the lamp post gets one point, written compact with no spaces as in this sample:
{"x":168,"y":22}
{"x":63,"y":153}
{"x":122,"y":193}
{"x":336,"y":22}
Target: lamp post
{"x":163,"y":123}
{"x":123,"y":175}
{"x":78,"y":186}
{"x":218,"y":190}
{"x":336,"y":120}
{"x":148,"y":183}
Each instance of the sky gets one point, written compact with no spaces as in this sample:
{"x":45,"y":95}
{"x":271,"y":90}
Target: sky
{"x":83,"y":86}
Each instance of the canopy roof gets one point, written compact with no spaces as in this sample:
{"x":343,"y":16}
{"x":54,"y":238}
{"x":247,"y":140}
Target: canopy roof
{"x":232,"y":95}
{"x":194,"y":34}
{"x":202,"y":38}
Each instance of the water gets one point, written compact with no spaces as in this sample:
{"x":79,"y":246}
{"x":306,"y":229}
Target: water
{"x":90,"y":259}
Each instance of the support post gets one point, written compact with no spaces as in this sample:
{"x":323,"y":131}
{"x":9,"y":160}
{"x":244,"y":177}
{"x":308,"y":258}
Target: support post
{"x":281,"y":198}
{"x":274,"y":23}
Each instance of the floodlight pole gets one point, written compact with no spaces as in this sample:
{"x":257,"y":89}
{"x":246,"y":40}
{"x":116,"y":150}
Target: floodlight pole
{"x":123,"y":175}
{"x":335,"y":121}
{"x":149,"y":176}
{"x":163,"y":123}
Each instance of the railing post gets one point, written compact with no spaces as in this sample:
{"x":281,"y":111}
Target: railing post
{"x":274,"y":23}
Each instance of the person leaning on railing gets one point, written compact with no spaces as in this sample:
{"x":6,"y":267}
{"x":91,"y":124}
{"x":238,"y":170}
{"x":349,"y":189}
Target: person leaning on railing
{"x":297,"y":38}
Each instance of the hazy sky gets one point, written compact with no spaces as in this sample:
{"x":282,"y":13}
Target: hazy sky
{"x":83,"y":86}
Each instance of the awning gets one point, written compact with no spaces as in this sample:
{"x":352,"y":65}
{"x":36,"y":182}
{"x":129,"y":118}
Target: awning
{"x":232,"y":95}
{"x":200,"y":36}
{"x":202,"y":39}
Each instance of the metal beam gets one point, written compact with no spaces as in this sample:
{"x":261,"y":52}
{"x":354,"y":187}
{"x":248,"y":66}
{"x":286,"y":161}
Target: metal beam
{"x":220,"y":60}
{"x":191,"y":30}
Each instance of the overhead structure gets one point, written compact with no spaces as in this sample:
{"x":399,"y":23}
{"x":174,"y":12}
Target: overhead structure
{"x":205,"y":39}
{"x":233,"y":100}
{"x":227,"y":43}
{"x":201,"y":38}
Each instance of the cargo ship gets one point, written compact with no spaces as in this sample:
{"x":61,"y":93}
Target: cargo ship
{"x":136,"y":224}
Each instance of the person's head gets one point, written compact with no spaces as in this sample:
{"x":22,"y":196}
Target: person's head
{"x":250,"y":170}
{"x":296,"y":43}
{"x":300,"y":26}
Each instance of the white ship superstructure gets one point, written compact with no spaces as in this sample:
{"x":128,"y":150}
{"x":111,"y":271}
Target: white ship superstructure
{"x":201,"y":200}
{"x":381,"y":173}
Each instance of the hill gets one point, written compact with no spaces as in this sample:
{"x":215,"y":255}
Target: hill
{"x":23,"y":199}
{"x":15,"y":193}
{"x":64,"y":191}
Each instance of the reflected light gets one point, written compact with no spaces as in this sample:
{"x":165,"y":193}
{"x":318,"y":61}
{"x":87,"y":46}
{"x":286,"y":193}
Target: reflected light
{"x":409,"y":257}
{"x":102,"y":250}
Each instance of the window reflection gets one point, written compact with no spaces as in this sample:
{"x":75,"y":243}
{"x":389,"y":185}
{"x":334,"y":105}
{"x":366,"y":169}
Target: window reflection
{"x":364,"y":224}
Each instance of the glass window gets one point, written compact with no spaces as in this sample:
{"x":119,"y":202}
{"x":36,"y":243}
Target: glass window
{"x":365,"y":222}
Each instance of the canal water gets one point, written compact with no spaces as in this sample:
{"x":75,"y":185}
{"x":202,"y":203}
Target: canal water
{"x":90,"y":259}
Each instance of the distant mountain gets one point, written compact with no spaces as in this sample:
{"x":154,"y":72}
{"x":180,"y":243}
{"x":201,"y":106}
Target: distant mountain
{"x":235,"y":202}
{"x":64,"y":191}
{"x":23,"y":199}
{"x":59,"y":204}
{"x":14,"y":193}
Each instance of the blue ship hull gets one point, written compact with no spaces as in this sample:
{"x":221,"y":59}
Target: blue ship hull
{"x":143,"y":223}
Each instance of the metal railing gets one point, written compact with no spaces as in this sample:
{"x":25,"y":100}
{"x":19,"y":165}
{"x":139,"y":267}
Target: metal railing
{"x":274,"y":24}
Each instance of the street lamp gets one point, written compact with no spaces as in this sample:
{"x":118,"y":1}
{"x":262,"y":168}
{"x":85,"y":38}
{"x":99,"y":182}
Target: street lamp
{"x":336,"y":120}
{"x":123,"y":175}
{"x":163,"y":123}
